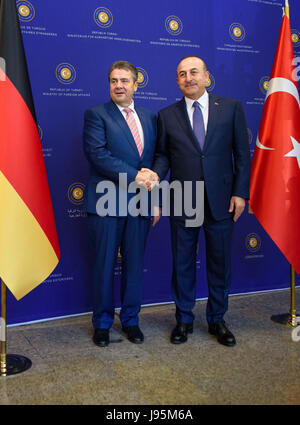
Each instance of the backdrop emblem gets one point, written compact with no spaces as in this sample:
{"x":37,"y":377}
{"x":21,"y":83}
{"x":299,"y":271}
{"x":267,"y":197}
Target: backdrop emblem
{"x":237,"y":31}
{"x":76,"y":193}
{"x":65,"y":73}
{"x":25,"y":10}
{"x":264,"y":85}
{"x":103,"y":17}
{"x":253,"y":242}
{"x":210,"y":85}
{"x":142,"y":77}
{"x":295,"y":37}
{"x":173,"y":25}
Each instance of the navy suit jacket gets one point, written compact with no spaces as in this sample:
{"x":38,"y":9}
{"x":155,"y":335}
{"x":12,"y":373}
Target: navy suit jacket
{"x":110,"y":149}
{"x":224,"y":163}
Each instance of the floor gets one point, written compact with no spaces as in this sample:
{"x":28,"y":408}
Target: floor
{"x":68,"y":369}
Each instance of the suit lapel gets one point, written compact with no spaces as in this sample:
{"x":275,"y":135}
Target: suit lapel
{"x":213,"y":111}
{"x":144,"y":126}
{"x":119,"y":119}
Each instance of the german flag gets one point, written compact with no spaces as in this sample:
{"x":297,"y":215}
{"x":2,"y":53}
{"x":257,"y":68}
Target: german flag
{"x":29,"y":247}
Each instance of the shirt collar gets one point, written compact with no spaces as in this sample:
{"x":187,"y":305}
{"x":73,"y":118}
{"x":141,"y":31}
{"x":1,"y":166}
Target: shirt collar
{"x":131,"y":106}
{"x":203,"y":101}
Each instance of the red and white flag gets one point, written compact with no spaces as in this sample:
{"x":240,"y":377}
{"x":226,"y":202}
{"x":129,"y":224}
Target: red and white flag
{"x":29,"y":248}
{"x":275,"y":169}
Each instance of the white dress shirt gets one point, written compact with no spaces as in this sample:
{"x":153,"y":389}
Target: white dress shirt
{"x":136,"y":117}
{"x":203,"y":102}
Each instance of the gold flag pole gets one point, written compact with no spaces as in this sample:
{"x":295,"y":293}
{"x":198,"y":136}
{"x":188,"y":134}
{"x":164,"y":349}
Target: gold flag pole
{"x":9,"y":363}
{"x":291,"y":318}
{"x":3,"y":331}
{"x":287,"y":8}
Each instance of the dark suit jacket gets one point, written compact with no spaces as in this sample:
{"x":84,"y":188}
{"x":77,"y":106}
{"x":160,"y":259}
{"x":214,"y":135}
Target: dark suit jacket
{"x":224,"y":163}
{"x":110,"y":149}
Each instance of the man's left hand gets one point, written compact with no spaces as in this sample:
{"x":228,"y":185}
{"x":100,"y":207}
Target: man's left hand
{"x":237,"y":205}
{"x":156,"y":215}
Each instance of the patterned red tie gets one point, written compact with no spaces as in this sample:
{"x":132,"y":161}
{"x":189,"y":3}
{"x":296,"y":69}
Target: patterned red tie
{"x":134,"y":130}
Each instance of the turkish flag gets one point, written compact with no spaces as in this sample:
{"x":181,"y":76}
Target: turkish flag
{"x":275,"y":169}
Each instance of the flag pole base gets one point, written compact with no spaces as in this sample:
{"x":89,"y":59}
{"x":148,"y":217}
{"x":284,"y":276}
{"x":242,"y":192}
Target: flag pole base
{"x":286,"y":319}
{"x":14,"y":364}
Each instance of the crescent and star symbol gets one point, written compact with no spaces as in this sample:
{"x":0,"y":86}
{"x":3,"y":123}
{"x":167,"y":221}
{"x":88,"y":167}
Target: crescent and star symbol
{"x":283,"y":85}
{"x":295,"y":152}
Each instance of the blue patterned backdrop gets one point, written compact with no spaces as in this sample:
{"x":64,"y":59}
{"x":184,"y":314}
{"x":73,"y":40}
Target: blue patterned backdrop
{"x":69,"y":47}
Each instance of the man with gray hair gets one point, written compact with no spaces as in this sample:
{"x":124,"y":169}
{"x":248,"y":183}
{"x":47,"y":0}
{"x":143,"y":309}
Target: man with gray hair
{"x":119,"y":139}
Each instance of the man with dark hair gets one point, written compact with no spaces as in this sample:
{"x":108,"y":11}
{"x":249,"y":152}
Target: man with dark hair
{"x":119,"y":140}
{"x":204,"y":137}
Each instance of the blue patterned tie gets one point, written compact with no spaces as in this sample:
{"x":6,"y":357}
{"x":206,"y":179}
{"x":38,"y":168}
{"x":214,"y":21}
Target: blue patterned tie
{"x":198,"y":124}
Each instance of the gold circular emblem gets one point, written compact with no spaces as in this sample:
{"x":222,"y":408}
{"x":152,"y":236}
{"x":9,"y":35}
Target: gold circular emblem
{"x":24,"y":10}
{"x":65,"y":73}
{"x":140,"y":77}
{"x":252,"y":242}
{"x":237,"y":32}
{"x":173,"y":25}
{"x":266,"y":85}
{"x":103,"y":17}
{"x":208,"y":83}
{"x":295,"y":38}
{"x":77,"y":193}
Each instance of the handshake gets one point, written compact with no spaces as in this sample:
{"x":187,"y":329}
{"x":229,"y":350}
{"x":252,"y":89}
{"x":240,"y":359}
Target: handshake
{"x":147,"y":178}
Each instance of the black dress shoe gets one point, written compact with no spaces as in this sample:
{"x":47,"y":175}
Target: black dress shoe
{"x":179,"y":333}
{"x":222,"y":333}
{"x":101,"y":337}
{"x":134,"y":334}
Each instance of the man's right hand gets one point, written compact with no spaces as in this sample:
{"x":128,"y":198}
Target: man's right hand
{"x":146,"y":177}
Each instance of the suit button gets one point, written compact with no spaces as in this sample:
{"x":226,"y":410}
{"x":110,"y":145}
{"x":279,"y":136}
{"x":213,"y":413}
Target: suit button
{"x":202,"y":156}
